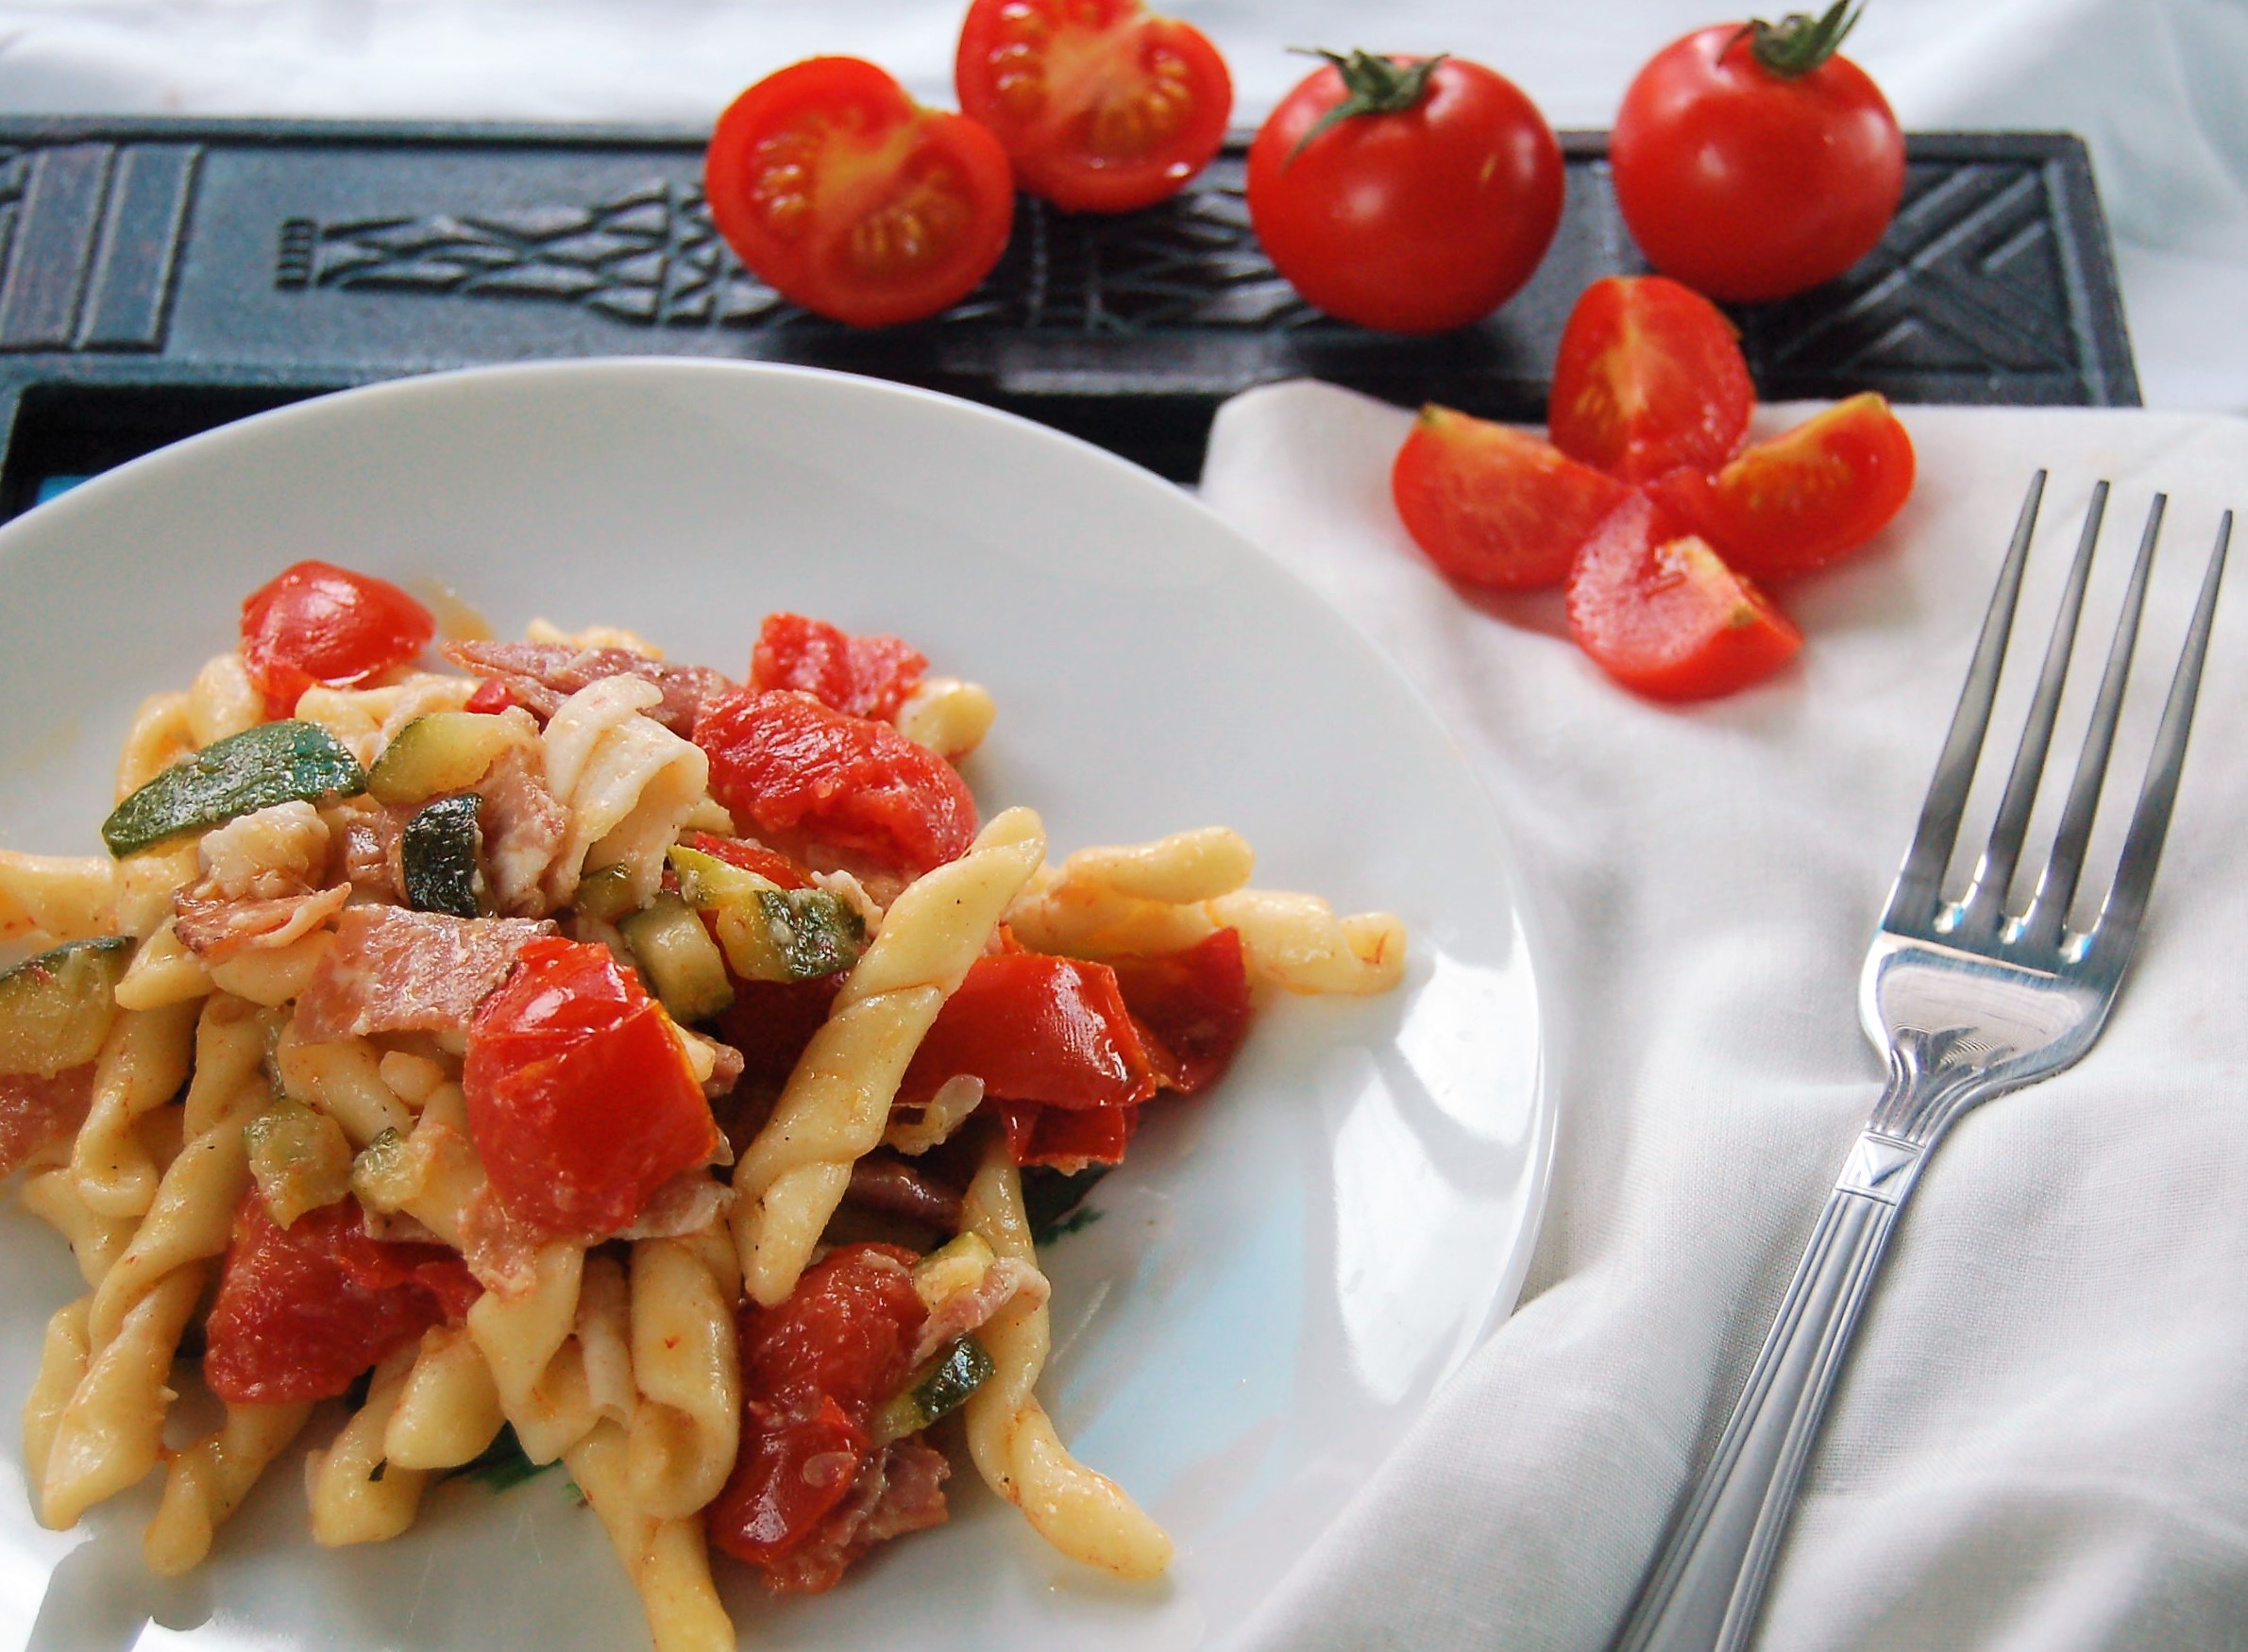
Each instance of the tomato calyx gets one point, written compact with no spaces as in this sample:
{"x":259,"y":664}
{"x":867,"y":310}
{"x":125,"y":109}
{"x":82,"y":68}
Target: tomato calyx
{"x":1376,"y":86}
{"x":1799,"y":42}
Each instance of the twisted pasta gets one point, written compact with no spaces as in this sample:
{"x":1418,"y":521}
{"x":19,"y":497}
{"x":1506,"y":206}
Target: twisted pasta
{"x":357,"y":1496}
{"x":142,"y":1064}
{"x":629,"y":783}
{"x":63,"y":897}
{"x":687,"y":1364}
{"x":666,"y":1558}
{"x":206,"y":1481}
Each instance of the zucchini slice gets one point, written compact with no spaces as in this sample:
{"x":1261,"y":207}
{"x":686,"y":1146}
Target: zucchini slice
{"x":442,"y":751}
{"x":274,"y":763}
{"x":606,"y":894}
{"x":299,"y":1160}
{"x":936,"y":1389}
{"x":56,"y":1009}
{"x":437,"y":852}
{"x":768,"y":933}
{"x":679,"y":959}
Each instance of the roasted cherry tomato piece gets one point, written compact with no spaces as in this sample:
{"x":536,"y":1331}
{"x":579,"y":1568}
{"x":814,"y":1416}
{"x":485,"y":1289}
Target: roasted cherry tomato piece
{"x":772,"y":1022}
{"x":792,"y":765}
{"x":1066,"y":1139}
{"x":1657,"y":609}
{"x":491,"y":697}
{"x":580,"y":1099}
{"x":1102,"y":106}
{"x":852,"y":199}
{"x":1650,"y":378}
{"x":813,"y":1369}
{"x":1752,"y":163}
{"x":1493,"y":506}
{"x":301,"y":1310}
{"x":317,"y":623}
{"x":867,"y":675}
{"x":1193,"y":1007}
{"x":1036,"y":1029}
{"x":1802,"y":500}
{"x":1424,"y":208}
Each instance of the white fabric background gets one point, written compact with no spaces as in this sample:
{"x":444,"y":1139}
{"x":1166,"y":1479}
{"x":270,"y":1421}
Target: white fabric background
{"x":2155,"y":85}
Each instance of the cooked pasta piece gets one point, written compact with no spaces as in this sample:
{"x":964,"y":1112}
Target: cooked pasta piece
{"x":357,"y":1496}
{"x":949,"y":716}
{"x":159,"y":737}
{"x":222,"y":700}
{"x":59,"y":897}
{"x":667,"y":1559}
{"x":343,"y":1080}
{"x":537,"y":1361}
{"x":146,"y":883}
{"x":111,"y":1431}
{"x":141,"y":1066}
{"x":627,"y":782}
{"x":448,"y":1408}
{"x":1297,"y":943}
{"x":686,"y":1361}
{"x":162,"y":971}
{"x":365,"y":720}
{"x":277,"y":975}
{"x":51,"y":1194}
{"x":206,"y":1482}
{"x":62,"y":1358}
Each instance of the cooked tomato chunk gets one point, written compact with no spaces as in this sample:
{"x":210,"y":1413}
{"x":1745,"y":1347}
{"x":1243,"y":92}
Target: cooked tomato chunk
{"x":1193,"y":1008}
{"x":1036,"y":1029}
{"x":867,"y":675}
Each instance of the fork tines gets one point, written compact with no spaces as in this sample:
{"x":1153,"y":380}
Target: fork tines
{"x":1980,"y":918}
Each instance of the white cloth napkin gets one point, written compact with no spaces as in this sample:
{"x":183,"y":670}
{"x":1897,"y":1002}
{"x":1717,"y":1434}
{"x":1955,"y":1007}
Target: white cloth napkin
{"x":2041,"y":1439}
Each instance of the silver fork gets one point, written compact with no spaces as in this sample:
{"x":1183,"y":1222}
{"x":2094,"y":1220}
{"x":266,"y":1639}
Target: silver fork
{"x":1966,"y":1002}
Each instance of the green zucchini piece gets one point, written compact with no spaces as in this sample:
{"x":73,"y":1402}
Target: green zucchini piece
{"x":437,"y":852}
{"x":56,"y":1009}
{"x":936,"y":1389}
{"x":606,"y":894}
{"x":768,"y":933}
{"x":299,"y":1159}
{"x":274,"y":763}
{"x":679,"y":959}
{"x":442,"y":751}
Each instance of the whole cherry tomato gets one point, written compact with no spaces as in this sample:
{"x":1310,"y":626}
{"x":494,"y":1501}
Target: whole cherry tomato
{"x":1650,"y":376}
{"x":1410,"y":195}
{"x":1102,"y":105}
{"x":852,"y":199}
{"x":1493,"y":506}
{"x":317,"y":623}
{"x":1752,"y":161}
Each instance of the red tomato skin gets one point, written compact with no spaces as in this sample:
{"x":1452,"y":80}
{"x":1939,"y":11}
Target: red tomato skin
{"x":1066,"y":1139}
{"x":1747,"y":186}
{"x":1103,"y":106}
{"x":1493,"y":506}
{"x":867,"y":675}
{"x":1414,"y":222}
{"x":788,"y":763}
{"x":768,"y":864}
{"x":853,"y":201}
{"x":1035,"y":1028}
{"x":813,"y":1369}
{"x":491,"y":697}
{"x":1805,"y":498}
{"x":302,"y":1310}
{"x":317,"y":623}
{"x":1193,"y":1007}
{"x":1650,"y":376}
{"x":1659,"y":611}
{"x":579,"y":1100}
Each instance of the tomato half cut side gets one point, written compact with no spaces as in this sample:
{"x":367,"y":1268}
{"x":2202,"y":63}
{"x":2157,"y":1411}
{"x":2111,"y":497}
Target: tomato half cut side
{"x":1807,"y":497}
{"x":852,"y":199}
{"x":317,"y":623}
{"x":1493,"y":506}
{"x":1650,"y":376}
{"x":1659,"y":611}
{"x":1102,"y":104}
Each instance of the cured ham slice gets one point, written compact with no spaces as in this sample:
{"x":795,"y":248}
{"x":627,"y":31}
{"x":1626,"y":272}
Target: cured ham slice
{"x":540,"y":676}
{"x":35,"y":1112}
{"x":899,"y":1489}
{"x":399,"y":971}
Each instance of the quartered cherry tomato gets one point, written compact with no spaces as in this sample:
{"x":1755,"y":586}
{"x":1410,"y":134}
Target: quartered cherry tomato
{"x":1657,"y":609}
{"x":1650,"y":376}
{"x":852,"y":199}
{"x":579,"y":1100}
{"x":1407,"y":194}
{"x":1102,"y":105}
{"x":1036,"y":1029}
{"x":1752,"y":161}
{"x":1191,"y":1006}
{"x":1493,"y":506}
{"x":867,"y":675}
{"x":1804,"y":498}
{"x":317,"y":623}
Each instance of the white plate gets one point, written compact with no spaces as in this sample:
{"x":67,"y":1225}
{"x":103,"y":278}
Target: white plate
{"x":1283,"y":1272}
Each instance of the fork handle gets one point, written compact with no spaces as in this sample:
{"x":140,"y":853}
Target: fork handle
{"x":1704,"y":1591}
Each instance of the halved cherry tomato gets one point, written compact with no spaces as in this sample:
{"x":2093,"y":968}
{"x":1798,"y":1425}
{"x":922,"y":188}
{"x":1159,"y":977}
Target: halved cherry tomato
{"x":1191,"y":1008}
{"x":580,"y":1099}
{"x":1035,"y":1028}
{"x":813,"y":1369}
{"x":1803,"y":498}
{"x":301,"y":1310}
{"x":791,"y":764}
{"x":1102,"y":105}
{"x":867,"y":675}
{"x":1657,"y":608}
{"x":1493,"y":506}
{"x":1650,"y":376}
{"x":317,"y":623}
{"x":852,"y":199}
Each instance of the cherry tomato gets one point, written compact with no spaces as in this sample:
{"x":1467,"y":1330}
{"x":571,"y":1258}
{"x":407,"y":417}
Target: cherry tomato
{"x":1066,"y":1139}
{"x":793,"y":766}
{"x":580,"y":1099}
{"x":301,"y":1310}
{"x":1752,"y":163}
{"x":1657,"y":608}
{"x":318,"y":623}
{"x":1102,"y":105}
{"x":1804,"y":498}
{"x":491,"y":697}
{"x":1191,"y":1007}
{"x":1493,"y":506}
{"x":813,"y":1369}
{"x":867,"y":675}
{"x":1650,"y":376}
{"x":852,"y":199}
{"x":1423,"y":206}
{"x":1036,"y":1029}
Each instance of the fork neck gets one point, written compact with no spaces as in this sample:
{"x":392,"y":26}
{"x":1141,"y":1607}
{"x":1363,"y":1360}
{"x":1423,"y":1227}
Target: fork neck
{"x":1933,"y":1077}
